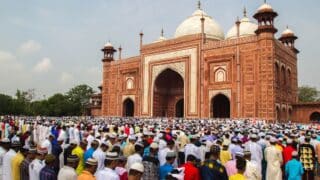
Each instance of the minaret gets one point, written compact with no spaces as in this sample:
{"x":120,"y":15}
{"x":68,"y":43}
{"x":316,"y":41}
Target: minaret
{"x":288,"y":38}
{"x":120,"y":51}
{"x":265,"y":16}
{"x":141,"y":39}
{"x":108,"y":52}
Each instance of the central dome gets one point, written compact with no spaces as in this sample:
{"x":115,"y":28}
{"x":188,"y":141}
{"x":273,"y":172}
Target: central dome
{"x":192,"y":25}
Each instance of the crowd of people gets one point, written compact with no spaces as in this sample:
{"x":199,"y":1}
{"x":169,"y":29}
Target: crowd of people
{"x":118,"y":148}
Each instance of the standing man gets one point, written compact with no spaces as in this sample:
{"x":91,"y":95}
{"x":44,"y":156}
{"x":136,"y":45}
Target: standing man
{"x":273,"y":157}
{"x":212,"y":168}
{"x":37,"y":164}
{"x":136,"y":172}
{"x":68,"y":171}
{"x":89,"y":170}
{"x":307,"y":158}
{"x":168,"y":166}
{"x":151,"y":163}
{"x":11,"y":149}
{"x":294,"y":168}
{"x":24,"y":167}
{"x":251,"y":172}
{"x":79,"y":151}
{"x":47,"y":172}
{"x":191,"y":172}
{"x":109,"y":172}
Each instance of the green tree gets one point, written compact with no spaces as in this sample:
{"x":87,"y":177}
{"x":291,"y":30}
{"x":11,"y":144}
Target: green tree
{"x":5,"y":104}
{"x":59,"y":105}
{"x":79,"y":96}
{"x":308,"y":94}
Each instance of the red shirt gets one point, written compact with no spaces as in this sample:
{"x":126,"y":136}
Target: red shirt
{"x":287,"y":153}
{"x":191,"y":172}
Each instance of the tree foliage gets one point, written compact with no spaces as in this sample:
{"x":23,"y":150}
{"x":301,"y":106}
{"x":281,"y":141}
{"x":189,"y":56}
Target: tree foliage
{"x":68,"y":104}
{"x":308,"y":94}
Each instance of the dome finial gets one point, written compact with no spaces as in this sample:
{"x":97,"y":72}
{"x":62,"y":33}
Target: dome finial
{"x":244,"y":12}
{"x":161,"y":32}
{"x":265,"y":1}
{"x":199,"y":4}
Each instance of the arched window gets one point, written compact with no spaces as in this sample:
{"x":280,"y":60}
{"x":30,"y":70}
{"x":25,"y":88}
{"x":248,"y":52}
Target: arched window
{"x":129,"y":83}
{"x":220,"y":75}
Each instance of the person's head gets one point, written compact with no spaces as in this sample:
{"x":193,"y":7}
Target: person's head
{"x":51,"y":137}
{"x":154,"y":148}
{"x":50,"y":160}
{"x":295,"y":155}
{"x":170,"y":157}
{"x":138,"y":147}
{"x":95,"y":144}
{"x":41,"y":153}
{"x":241,"y":165}
{"x":307,"y":139}
{"x":170,"y":144}
{"x":16,"y":146}
{"x":116,"y":148}
{"x":73,"y":144}
{"x":91,"y":165}
{"x":83,"y":144}
{"x":32,"y":152}
{"x":72,"y":161}
{"x":5,"y":144}
{"x":191,"y":158}
{"x":215,"y":151}
{"x":104,"y":147}
{"x":122,"y":161}
{"x":136,"y":171}
{"x":273,"y":141}
{"x":111,"y":160}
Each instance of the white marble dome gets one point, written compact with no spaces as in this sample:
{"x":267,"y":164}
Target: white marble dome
{"x":265,"y":7}
{"x":192,"y":25}
{"x":246,"y":28}
{"x":287,"y":32}
{"x":108,"y":44}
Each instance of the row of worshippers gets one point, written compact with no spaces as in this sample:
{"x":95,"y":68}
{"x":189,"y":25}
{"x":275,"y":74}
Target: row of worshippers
{"x":136,"y":141}
{"x":164,"y":161}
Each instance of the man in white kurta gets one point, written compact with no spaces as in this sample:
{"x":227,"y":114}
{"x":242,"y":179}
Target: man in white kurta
{"x":100,"y":156}
{"x":6,"y":167}
{"x":256,"y":151}
{"x":274,"y":160}
{"x":36,"y":165}
{"x":108,"y":172}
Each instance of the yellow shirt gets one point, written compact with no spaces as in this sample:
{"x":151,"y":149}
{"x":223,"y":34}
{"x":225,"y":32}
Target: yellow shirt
{"x":128,"y":150}
{"x":225,"y":156}
{"x":15,"y":166}
{"x":78,"y":151}
{"x":279,"y":147}
{"x":237,"y":177}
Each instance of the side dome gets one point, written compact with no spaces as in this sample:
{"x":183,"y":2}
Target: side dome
{"x":192,"y":25}
{"x":246,"y":28}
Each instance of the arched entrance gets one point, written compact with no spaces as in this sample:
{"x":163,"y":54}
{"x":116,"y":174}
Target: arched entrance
{"x":128,"y":108}
{"x":168,"y":87}
{"x":220,"y":106}
{"x":315,"y":116}
{"x":179,"y":108}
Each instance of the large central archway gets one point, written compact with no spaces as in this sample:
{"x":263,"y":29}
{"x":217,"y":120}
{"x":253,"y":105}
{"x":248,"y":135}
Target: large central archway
{"x":128,"y":108}
{"x":220,"y":106}
{"x":168,"y":89}
{"x":315,"y":116}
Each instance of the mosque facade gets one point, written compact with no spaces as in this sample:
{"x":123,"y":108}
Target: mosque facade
{"x":203,"y":73}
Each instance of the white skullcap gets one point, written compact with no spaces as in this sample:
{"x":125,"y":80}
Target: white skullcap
{"x":137,"y":166}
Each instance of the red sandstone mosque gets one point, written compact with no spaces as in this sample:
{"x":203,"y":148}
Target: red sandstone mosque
{"x":203,"y":73}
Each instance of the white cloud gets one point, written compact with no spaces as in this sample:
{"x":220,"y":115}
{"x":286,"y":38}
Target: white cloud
{"x":6,"y":57}
{"x":8,"y":62}
{"x":43,"y":66}
{"x":29,"y":47}
{"x":66,"y":77}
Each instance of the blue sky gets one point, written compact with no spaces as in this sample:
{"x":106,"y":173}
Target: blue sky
{"x":54,"y":45}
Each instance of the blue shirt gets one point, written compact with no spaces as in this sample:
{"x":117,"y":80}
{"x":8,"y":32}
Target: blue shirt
{"x":165,"y":170}
{"x":294,"y":170}
{"x":88,"y":154}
